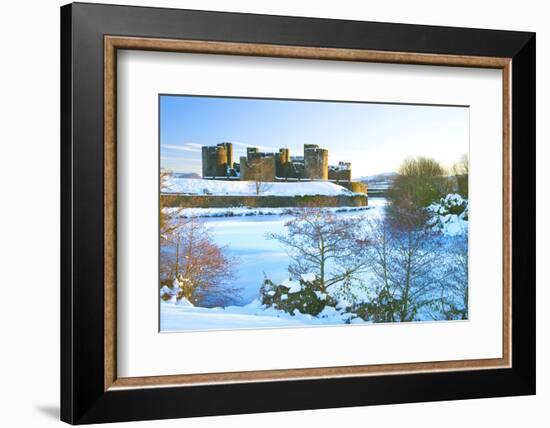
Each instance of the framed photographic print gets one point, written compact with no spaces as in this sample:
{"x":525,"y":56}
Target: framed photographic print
{"x":320,"y":213}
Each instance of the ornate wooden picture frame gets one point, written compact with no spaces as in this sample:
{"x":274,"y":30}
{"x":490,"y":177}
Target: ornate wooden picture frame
{"x":91,"y":389}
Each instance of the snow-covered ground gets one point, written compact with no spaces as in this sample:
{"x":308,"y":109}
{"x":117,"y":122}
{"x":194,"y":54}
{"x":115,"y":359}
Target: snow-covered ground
{"x":174,"y":317}
{"x":198,"y":186}
{"x":254,"y":211}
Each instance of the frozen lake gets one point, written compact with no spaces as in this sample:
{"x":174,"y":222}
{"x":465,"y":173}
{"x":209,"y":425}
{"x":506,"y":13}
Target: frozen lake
{"x":244,"y":238}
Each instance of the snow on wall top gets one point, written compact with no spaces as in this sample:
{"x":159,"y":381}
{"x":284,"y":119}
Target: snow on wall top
{"x":198,"y":186}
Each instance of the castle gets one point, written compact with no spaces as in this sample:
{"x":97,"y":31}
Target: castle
{"x":217,"y":163}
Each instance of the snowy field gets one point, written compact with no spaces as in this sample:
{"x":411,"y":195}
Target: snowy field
{"x":198,"y":186}
{"x":176,"y":317}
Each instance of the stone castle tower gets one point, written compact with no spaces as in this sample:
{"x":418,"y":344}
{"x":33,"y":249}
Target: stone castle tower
{"x":217,"y":159}
{"x":282,"y":160}
{"x":315,"y":162}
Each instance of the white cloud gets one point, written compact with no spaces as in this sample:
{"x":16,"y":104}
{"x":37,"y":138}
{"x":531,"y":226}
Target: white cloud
{"x":268,"y":148}
{"x":180,"y":160}
{"x":185,"y":147}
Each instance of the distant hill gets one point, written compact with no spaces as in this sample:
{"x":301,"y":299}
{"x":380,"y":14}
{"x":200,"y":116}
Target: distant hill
{"x":384,"y":176}
{"x":379,"y":184}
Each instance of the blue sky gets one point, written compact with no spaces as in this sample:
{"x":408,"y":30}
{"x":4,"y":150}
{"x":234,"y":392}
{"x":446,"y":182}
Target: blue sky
{"x":374,"y":137}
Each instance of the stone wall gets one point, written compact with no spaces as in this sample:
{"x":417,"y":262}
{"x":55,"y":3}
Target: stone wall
{"x":339,"y":175}
{"x":215,"y":201}
{"x":355,"y":186}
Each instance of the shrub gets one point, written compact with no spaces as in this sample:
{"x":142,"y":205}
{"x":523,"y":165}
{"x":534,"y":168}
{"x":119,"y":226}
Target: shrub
{"x":453,"y":204}
{"x":383,"y":308}
{"x":419,"y":182}
{"x":303,"y":295}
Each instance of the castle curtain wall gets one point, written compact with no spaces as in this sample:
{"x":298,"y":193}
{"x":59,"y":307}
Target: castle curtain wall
{"x":258,"y":169}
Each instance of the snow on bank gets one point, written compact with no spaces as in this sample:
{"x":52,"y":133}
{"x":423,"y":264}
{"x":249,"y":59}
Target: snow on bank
{"x":450,"y":215}
{"x":176,"y":318}
{"x":198,"y":186}
{"x":182,"y":315}
{"x":249,"y":211}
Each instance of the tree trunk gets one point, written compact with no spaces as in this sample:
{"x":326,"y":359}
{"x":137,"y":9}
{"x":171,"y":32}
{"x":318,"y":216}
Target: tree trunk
{"x":177,"y":264}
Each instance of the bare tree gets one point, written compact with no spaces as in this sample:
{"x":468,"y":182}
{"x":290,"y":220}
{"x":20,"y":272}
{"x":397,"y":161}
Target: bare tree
{"x":167,"y":215}
{"x":461,"y":166}
{"x":405,"y":262}
{"x":189,"y":256}
{"x":460,"y":170}
{"x":385,"y":305}
{"x":453,"y":294}
{"x":319,"y":242}
{"x":201,"y":268}
{"x":258,"y":173}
